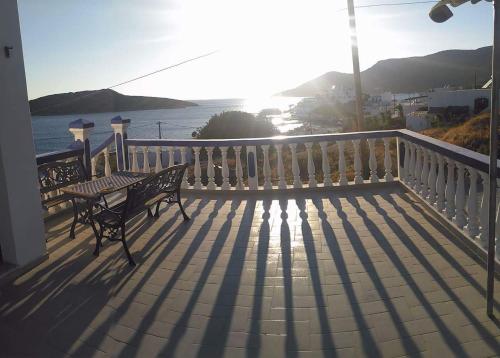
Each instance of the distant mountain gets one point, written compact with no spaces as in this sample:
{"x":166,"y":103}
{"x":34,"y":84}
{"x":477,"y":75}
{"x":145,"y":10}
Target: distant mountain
{"x":105,"y":100}
{"x":412,"y":74}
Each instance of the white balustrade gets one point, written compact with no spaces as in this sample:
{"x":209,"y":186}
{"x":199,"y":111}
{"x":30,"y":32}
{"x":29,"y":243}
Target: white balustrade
{"x":297,"y":182}
{"x":93,"y":163}
{"x":225,"y":169}
{"x":107,"y":166}
{"x":197,"y":168}
{"x":473,"y":222}
{"x":450,"y":190}
{"x":460,"y":197}
{"x":418,"y":169}
{"x":483,"y":214}
{"x":387,"y":161}
{"x":406,"y":164}
{"x":424,"y":179}
{"x":267,"y":168}
{"x":145,"y":160}
{"x":311,"y":170}
{"x":411,"y":173}
{"x":239,"y":168}
{"x":184,"y":183}
{"x":135,"y":162}
{"x":358,"y":178}
{"x":171,"y":158}
{"x":325,"y":165}
{"x":281,"y":167}
{"x":342,"y":164}
{"x":441,"y":184}
{"x":210,"y":169}
{"x":431,"y":183}
{"x":372,"y":161}
{"x":158,"y":164}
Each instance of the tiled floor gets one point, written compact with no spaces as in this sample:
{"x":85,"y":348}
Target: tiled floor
{"x":360,"y":273}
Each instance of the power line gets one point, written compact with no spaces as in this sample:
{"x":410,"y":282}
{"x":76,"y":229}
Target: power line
{"x":392,"y":4}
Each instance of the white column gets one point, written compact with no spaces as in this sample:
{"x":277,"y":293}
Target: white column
{"x":252,"y":170}
{"x":372,"y":161}
{"x":267,"y":168}
{"x":358,"y":178}
{"x":342,"y":165}
{"x":450,"y":190}
{"x":135,"y":163}
{"x":432,"y":178}
{"x":281,"y":168}
{"x":171,"y":158}
{"x":473,"y":223}
{"x":418,"y":169}
{"x":406,"y":164}
{"x":441,"y":184}
{"x":411,"y":172}
{"x":120,"y":126}
{"x":297,"y":182}
{"x":107,"y":165}
{"x":460,"y":197}
{"x":425,"y":174}
{"x":197,"y":168}
{"x":225,"y":169}
{"x":210,"y":169}
{"x":145,"y":160}
{"x":388,"y":161}
{"x":93,"y":163}
{"x":325,"y":165}
{"x":158,"y":165}
{"x":22,"y":232}
{"x":239,"y":168}
{"x":311,"y":170}
{"x":185,"y":182}
{"x":484,"y":211}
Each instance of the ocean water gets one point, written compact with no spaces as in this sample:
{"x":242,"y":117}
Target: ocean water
{"x":51,"y":133}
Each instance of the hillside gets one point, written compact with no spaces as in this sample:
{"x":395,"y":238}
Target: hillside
{"x":105,"y":100}
{"x":412,"y":74}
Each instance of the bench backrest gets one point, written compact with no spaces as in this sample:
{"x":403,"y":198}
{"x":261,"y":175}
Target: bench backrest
{"x":167,"y":180}
{"x":59,"y":174}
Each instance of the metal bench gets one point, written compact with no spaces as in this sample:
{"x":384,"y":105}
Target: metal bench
{"x":56,"y":175}
{"x":165,"y":186}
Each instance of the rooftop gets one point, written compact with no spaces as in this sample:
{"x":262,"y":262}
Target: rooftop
{"x":355,"y":272}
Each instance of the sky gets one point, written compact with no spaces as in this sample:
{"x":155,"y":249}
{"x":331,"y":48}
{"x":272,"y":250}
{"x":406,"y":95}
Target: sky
{"x":263,"y":46}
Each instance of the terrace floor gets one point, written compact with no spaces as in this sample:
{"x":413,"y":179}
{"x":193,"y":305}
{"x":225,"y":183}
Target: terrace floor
{"x":366,"y":272}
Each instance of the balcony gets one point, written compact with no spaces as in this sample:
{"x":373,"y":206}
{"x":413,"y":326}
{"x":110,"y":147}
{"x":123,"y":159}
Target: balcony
{"x":275,"y":261}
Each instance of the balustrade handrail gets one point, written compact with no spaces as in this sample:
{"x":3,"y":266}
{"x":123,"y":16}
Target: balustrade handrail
{"x":102,"y":146}
{"x":45,"y":158}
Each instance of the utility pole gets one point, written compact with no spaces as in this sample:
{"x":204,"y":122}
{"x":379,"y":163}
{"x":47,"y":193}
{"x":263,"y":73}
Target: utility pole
{"x":159,"y":129}
{"x":355,"y":65}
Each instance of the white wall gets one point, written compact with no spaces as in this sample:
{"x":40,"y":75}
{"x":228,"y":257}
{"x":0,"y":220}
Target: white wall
{"x":21,"y":226}
{"x":457,"y":98}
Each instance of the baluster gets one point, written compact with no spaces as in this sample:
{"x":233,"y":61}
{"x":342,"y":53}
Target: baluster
{"x":197,"y":168}
{"x":418,"y":169}
{"x":281,"y":168}
{"x":483,"y":216}
{"x":406,"y":163}
{"x":93,"y":164}
{"x":311,"y":170}
{"x":239,"y":168}
{"x":411,"y":172}
{"x":440,"y":185}
{"x":107,"y":166}
{"x":145,"y":160}
{"x":431,"y":184}
{"x":424,"y":179}
{"x":372,"y":161}
{"x":225,"y":169}
{"x":297,"y":183}
{"x":473,"y":224}
{"x":387,"y":161}
{"x":325,"y":165}
{"x":267,"y":168}
{"x":158,"y":165}
{"x":450,"y":190}
{"x":171,"y":159}
{"x":184,"y":183}
{"x":342,"y":166}
{"x":135,"y":164}
{"x":358,"y":167}
{"x":460,"y":197}
{"x":210,"y":169}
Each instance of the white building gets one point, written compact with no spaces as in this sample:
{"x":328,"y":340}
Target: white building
{"x":476,"y":99}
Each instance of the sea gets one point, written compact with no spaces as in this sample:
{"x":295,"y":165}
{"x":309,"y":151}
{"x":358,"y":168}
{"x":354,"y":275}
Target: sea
{"x":51,"y":133}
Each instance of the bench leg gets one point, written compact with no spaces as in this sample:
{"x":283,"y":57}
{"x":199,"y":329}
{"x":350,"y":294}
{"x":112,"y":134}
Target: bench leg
{"x":75,"y":219}
{"x":125,"y":247}
{"x":157,"y":211}
{"x":180,"y":206}
{"x":150,"y":214}
{"x":98,"y":238}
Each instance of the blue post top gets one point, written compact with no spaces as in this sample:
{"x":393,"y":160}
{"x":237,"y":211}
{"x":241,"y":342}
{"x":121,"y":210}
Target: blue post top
{"x":119,"y":120}
{"x":81,"y":123}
